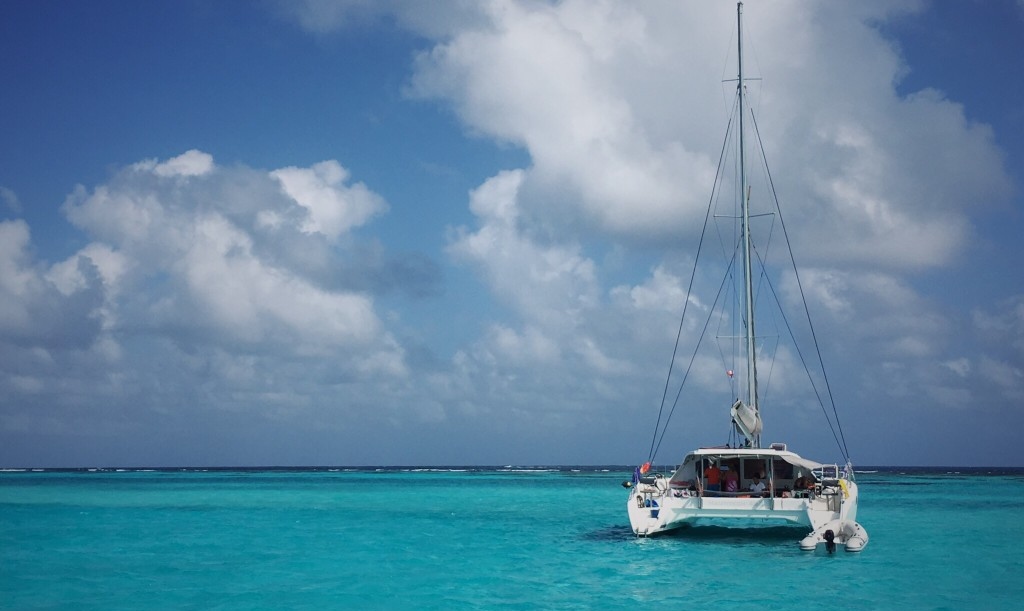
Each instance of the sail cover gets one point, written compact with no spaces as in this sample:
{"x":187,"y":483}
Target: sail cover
{"x":747,"y":419}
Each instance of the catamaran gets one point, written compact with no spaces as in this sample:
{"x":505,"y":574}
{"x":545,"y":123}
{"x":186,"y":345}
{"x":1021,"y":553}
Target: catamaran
{"x":743,"y":483}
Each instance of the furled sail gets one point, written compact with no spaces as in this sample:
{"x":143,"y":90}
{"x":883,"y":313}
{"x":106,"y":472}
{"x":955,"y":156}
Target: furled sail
{"x":747,"y":420}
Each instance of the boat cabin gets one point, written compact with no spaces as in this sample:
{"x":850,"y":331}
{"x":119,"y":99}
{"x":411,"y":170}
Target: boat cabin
{"x":747,"y":472}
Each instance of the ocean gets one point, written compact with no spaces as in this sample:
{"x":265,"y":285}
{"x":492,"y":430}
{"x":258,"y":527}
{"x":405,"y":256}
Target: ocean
{"x":478,"y":538}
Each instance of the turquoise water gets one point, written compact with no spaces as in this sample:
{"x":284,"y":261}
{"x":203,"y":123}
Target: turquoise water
{"x":480,"y":539}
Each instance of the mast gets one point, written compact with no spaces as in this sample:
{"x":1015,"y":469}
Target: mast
{"x":748,"y":282}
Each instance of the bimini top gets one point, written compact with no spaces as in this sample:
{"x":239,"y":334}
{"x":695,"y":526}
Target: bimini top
{"x":774,"y":452}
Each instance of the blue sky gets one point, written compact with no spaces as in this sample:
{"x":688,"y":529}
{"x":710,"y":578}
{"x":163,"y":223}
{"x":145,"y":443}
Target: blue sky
{"x":353,"y":232}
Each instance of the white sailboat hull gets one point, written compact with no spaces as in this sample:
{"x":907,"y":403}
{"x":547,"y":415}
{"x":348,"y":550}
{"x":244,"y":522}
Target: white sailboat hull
{"x":653,"y":514}
{"x":671,"y":513}
{"x":667,"y":512}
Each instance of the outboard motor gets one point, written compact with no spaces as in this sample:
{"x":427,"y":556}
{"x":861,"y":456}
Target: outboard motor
{"x":830,"y":541}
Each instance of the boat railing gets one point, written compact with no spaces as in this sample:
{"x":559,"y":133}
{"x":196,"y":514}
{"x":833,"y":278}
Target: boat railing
{"x":692,"y":488}
{"x":656,"y":483}
{"x":828,"y":474}
{"x":741,"y":494}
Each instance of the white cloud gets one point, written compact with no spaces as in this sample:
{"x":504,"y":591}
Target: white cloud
{"x":241,"y":293}
{"x":119,"y":216}
{"x":531,"y":346}
{"x":548,"y":284}
{"x":596,"y":358}
{"x":10,"y":198}
{"x":15,"y":279}
{"x":620,"y":108}
{"x":880,"y":311}
{"x":111,"y":265}
{"x":332,"y":207}
{"x":828,"y":288}
{"x":189,"y":244}
{"x":618,"y":105}
{"x":219,"y":287}
{"x":663,"y":291}
{"x":549,"y":78}
{"x":185,"y":304}
{"x":559,"y":338}
{"x":33,"y":311}
{"x":189,"y":163}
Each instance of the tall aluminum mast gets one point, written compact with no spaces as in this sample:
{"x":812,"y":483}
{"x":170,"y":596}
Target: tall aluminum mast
{"x":747,"y":267}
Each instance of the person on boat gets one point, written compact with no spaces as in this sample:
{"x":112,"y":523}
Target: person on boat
{"x":714,"y":476}
{"x":801,"y":485}
{"x":757,"y":486}
{"x":732,"y":480}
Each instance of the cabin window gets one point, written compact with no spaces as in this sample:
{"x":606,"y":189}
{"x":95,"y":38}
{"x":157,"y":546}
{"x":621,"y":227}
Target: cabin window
{"x":752,"y":466}
{"x":783,"y":470}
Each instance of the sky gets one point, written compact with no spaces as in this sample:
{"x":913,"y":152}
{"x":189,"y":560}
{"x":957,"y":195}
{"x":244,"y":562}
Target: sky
{"x":460,"y":233}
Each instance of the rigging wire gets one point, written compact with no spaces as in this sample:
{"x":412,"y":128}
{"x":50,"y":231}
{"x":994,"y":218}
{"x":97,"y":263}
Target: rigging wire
{"x":803,"y":297}
{"x":693,"y":357}
{"x":810,"y":378}
{"x":689,"y":290}
{"x":661,"y":427}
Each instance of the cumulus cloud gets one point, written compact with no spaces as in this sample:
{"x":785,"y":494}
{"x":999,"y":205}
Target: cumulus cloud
{"x":548,"y":78}
{"x":333,"y":207}
{"x":189,"y":163}
{"x":616,"y":104}
{"x":54,"y":350}
{"x":879,"y":313}
{"x":551,"y":284}
{"x":182,"y":296}
{"x":662,"y":291}
{"x":620,"y":109}
{"x":555,"y":294}
{"x":252,"y":300}
{"x":167,"y":224}
{"x":33,"y":311}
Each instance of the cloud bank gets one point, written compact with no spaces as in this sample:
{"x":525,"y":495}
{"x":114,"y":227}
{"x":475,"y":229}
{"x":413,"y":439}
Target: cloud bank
{"x":227,"y":294}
